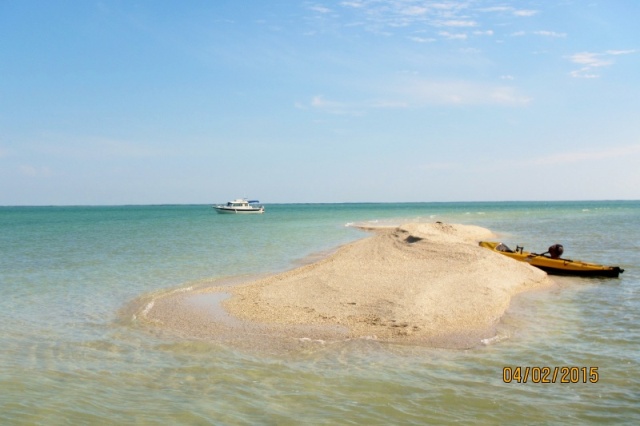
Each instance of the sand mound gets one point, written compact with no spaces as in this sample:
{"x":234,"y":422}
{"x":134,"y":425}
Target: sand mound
{"x":417,"y":283}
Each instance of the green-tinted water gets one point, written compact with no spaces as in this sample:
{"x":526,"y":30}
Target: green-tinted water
{"x":65,"y":357}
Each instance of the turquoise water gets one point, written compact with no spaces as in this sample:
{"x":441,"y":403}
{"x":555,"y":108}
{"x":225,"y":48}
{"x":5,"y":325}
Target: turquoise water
{"x":66,"y":357}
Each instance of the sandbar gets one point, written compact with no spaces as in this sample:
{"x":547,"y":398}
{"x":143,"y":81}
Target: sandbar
{"x":420,"y":283}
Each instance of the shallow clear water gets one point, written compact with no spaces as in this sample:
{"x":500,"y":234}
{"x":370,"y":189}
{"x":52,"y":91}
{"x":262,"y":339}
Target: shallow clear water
{"x":65,"y":357}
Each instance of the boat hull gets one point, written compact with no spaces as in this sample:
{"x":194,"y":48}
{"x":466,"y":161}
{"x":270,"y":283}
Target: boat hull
{"x":605,"y":271}
{"x":228,"y":210}
{"x":558,"y":266}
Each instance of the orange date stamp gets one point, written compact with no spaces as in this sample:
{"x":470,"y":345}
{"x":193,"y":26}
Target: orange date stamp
{"x":550,"y":374}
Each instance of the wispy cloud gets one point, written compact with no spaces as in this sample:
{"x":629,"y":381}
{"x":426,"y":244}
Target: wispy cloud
{"x":551,"y":34}
{"x":458,"y":23}
{"x":464,"y":93}
{"x":414,"y":10}
{"x":525,"y":13}
{"x":382,"y":16}
{"x":541,"y":33}
{"x":320,"y":103}
{"x":92,"y":147}
{"x":35,"y":171}
{"x":354,"y":108}
{"x":497,"y":9}
{"x":590,"y":62}
{"x":413,"y":93}
{"x":578,"y":157}
{"x":354,"y":4}
{"x":510,"y":10}
{"x":453,"y":36}
{"x":387,"y":17}
{"x":422,"y":39}
{"x":319,"y":8}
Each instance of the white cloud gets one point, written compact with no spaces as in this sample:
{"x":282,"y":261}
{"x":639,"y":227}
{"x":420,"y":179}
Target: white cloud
{"x":592,"y":61}
{"x":333,"y":107}
{"x":577,"y":157}
{"x":414,"y":93}
{"x":414,"y":11}
{"x":620,"y":52}
{"x":319,"y":8}
{"x":378,"y":15}
{"x":453,"y":36}
{"x":497,"y":9}
{"x":511,"y":10}
{"x":525,"y":13}
{"x":386,"y":16}
{"x":507,"y":96}
{"x":462,"y":93}
{"x":357,"y":108}
{"x":422,"y":39}
{"x":458,"y":23}
{"x":551,"y":34}
{"x":35,"y":172}
{"x":321,"y":102}
{"x":388,"y":104}
{"x":354,"y":4}
{"x":91,"y":147}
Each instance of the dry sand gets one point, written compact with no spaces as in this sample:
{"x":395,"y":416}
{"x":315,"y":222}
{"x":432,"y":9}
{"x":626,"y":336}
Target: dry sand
{"x":428,"y":284}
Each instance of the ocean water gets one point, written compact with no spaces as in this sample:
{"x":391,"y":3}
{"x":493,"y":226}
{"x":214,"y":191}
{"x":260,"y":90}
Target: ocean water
{"x":68,"y":357}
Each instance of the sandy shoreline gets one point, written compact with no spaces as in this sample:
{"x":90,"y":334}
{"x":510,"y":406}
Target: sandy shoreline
{"x":426,"y":284}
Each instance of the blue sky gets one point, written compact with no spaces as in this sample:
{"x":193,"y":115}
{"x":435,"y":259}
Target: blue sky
{"x":152,"y":102}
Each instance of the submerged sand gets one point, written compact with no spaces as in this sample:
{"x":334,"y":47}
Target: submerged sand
{"x":427,"y":284}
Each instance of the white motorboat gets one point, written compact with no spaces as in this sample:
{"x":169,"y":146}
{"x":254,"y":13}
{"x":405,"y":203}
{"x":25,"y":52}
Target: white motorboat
{"x":240,"y":206}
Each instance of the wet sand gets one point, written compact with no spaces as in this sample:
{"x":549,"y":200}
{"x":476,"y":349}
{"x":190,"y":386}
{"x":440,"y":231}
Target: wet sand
{"x":425,"y":284}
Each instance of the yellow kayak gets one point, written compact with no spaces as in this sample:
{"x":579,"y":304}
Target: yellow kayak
{"x":557,"y":265}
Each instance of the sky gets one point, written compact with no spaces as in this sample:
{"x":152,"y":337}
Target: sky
{"x":295,"y":101}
